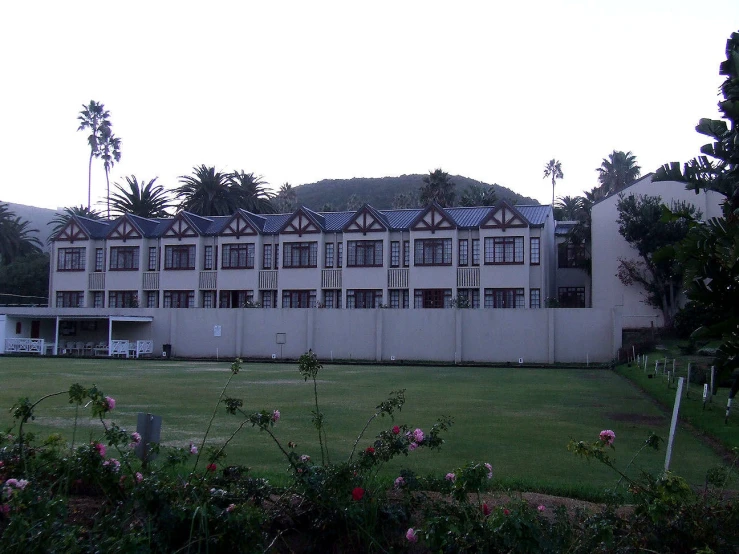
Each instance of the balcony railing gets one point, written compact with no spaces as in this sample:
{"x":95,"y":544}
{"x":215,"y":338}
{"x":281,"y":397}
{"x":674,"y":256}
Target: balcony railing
{"x":397,"y":278}
{"x":331,"y":279}
{"x":268,"y":279}
{"x":468,"y":277}
{"x":151,"y":280}
{"x":208,"y":280}
{"x":96,"y":281}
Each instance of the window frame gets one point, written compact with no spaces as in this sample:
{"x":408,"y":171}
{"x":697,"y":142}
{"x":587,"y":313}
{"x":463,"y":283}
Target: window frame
{"x":245,"y":254}
{"x":71,"y":258}
{"x":494,"y":298}
{"x":463,"y":253}
{"x":423,"y":247}
{"x":123,"y":299}
{"x":395,"y":253}
{"x":534,"y":251}
{"x":170,"y":295}
{"x":307,"y":248}
{"x":535,"y":299}
{"x":365,"y":249}
{"x":328,"y":255}
{"x":365,"y":297}
{"x":99,"y":260}
{"x":182,"y":251}
{"x":64,"y":299}
{"x":299,"y":297}
{"x":497,"y":253}
{"x":153,"y":261}
{"x":126,"y":254}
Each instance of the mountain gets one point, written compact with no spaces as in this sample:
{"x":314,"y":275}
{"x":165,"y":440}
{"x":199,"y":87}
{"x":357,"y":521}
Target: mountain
{"x":379,"y":192}
{"x":38,"y":219}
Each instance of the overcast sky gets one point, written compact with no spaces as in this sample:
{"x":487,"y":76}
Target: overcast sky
{"x":309,"y":90}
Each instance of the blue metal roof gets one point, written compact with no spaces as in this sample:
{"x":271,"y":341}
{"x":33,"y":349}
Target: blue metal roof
{"x":335,"y":221}
{"x":536,"y":215}
{"x":469,"y":217}
{"x":96,"y":228}
{"x":401,"y":219}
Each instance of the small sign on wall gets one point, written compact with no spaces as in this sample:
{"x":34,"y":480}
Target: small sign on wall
{"x":216,"y":330}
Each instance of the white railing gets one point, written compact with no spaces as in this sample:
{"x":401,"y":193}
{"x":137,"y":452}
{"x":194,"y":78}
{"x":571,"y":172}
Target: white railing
{"x":397,"y":278}
{"x":96,"y":281}
{"x":144,"y":347}
{"x":268,"y":280}
{"x":119,"y":348}
{"x":468,"y":277}
{"x":330,"y":278}
{"x":151,"y":280}
{"x":30,"y":346}
{"x":208,"y":280}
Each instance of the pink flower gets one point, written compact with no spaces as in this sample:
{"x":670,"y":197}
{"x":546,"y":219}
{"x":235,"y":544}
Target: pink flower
{"x":358,"y":494}
{"x":231,"y":507}
{"x":418,"y":436}
{"x":135,"y":439}
{"x":507,"y":512}
{"x":490,"y":470}
{"x":486,"y":509}
{"x":12,"y":483}
{"x":211,"y":467}
{"x":305,"y":458}
{"x":607,"y":437}
{"x":113,"y":464}
{"x":396,"y":430}
{"x":276,"y":416}
{"x":541,"y":508}
{"x":193,"y":449}
{"x":109,"y":403}
{"x":100,"y":447}
{"x":410,"y":534}
{"x":450,"y":477}
{"x":22,"y":484}
{"x":370,"y":450}
{"x":412,"y":446}
{"x":399,"y":482}
{"x":139,"y":477}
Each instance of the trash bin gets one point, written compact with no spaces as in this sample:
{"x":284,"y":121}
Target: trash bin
{"x":167,"y":351}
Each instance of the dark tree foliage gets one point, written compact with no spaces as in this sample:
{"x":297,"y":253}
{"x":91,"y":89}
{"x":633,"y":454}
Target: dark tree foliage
{"x":617,"y":172}
{"x":16,"y":239}
{"x":144,"y":199}
{"x":710,"y":253}
{"x":640,"y":222}
{"x":438,"y":187}
{"x":25,"y":280}
{"x":478,"y":195}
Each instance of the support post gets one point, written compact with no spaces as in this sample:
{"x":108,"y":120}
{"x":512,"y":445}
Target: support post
{"x":673,"y":424}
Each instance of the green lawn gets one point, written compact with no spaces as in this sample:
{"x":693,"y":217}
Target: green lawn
{"x":520,"y":420}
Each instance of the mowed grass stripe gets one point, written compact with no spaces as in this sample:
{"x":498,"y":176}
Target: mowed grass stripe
{"x":518,"y":419}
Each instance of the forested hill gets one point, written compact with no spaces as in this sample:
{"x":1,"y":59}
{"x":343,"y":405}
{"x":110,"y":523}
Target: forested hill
{"x":379,"y":192}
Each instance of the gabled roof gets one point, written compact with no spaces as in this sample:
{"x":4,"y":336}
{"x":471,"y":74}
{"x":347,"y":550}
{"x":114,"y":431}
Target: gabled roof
{"x":147,"y":227}
{"x":401,"y":219}
{"x":95,"y":228}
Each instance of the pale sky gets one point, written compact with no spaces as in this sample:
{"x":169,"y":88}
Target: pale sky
{"x":309,"y":90}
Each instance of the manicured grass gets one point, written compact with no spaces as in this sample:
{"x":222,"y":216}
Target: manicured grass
{"x":520,"y":420}
{"x":709,"y":419}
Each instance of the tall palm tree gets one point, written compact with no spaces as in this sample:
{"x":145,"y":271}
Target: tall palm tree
{"x":478,"y":195}
{"x":61,"y":219}
{"x":16,"y":238}
{"x":206,"y":192}
{"x":569,"y":208}
{"x":286,"y":199}
{"x":142,"y":199}
{"x":110,"y":152}
{"x":617,"y":171}
{"x":94,"y":117}
{"x":250,"y":192}
{"x":553,"y":169}
{"x":438,"y":187}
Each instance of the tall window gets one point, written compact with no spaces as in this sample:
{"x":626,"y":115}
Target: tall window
{"x":236,"y":299}
{"x":332,"y":299}
{"x":364,"y":253}
{"x":208,"y":299}
{"x":570,"y":255}
{"x":299,"y":298}
{"x":70,"y":259}
{"x":277,"y":255}
{"x":123,"y":299}
{"x":208,"y":259}
{"x":571,"y":297}
{"x":238,"y":256}
{"x":179,"y":298}
{"x":432,"y":298}
{"x":152,"y":299}
{"x":468,"y":298}
{"x":97,"y":299}
{"x":269,"y":299}
{"x":124,"y":258}
{"x":339,"y":254}
{"x":406,"y":253}
{"x":535,"y":298}
{"x":299,"y":254}
{"x":328,"y":259}
{"x":463,"y":252}
{"x":504,"y":250}
{"x":399,"y":298}
{"x":99,"y":259}
{"x":267,"y":256}
{"x":70,"y":299}
{"x":179,"y":257}
{"x":363,"y":298}
{"x":395,"y":253}
{"x":433,"y":252}
{"x":535,"y":250}
{"x":505,"y":298}
{"x":475,"y":251}
{"x":153,"y":259}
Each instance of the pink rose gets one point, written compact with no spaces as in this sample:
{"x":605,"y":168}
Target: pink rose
{"x":100,"y":447}
{"x":411,"y":535}
{"x":396,"y":430}
{"x":231,"y":507}
{"x":276,"y":416}
{"x":450,"y":477}
{"x":399,"y":482}
{"x":139,"y":477}
{"x":418,"y":436}
{"x":490,"y":470}
{"x":193,"y":449}
{"x":607,"y":437}
{"x":412,"y":446}
{"x":541,"y":508}
{"x":109,"y":403}
{"x":135,"y":439}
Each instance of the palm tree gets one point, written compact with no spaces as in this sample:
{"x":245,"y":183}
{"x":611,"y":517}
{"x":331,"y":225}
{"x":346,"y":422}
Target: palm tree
{"x":250,"y":192}
{"x":61,"y":219}
{"x":569,"y":208}
{"x":142,"y":199}
{"x":438,"y":187}
{"x":286,"y":199}
{"x":553,"y":169}
{"x":206,"y":192}
{"x":15,"y":236}
{"x":110,"y":152}
{"x":94,"y":117}
{"x":617,"y":171}
{"x":403,"y":200}
{"x":478,"y":195}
